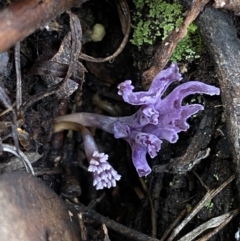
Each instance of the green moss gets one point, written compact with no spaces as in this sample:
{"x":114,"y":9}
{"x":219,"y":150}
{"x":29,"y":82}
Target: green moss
{"x":155,"y":19}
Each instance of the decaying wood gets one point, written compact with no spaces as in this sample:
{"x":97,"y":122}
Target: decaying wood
{"x":198,"y":147}
{"x":23,"y":17}
{"x":233,"y":5}
{"x":224,"y":45}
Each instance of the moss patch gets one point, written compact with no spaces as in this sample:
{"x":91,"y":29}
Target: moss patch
{"x":155,"y":19}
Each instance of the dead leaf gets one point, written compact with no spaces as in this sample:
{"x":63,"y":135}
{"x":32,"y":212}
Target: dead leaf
{"x":55,"y":69}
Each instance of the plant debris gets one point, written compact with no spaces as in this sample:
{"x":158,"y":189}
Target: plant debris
{"x":55,"y":69}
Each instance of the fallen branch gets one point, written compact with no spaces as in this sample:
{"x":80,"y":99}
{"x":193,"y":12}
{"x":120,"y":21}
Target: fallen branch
{"x":224,"y":45}
{"x":165,"y":50}
{"x":23,"y":17}
{"x":111,"y":224}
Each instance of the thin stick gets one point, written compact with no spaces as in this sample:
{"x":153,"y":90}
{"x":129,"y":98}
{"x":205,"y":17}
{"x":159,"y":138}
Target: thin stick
{"x":216,"y":230}
{"x":126,"y":11}
{"x":173,"y":225}
{"x":112,"y":225}
{"x":18,"y":75}
{"x":82,"y":227}
{"x":212,"y":223}
{"x":76,"y":32}
{"x":20,"y":155}
{"x":7,"y":103}
{"x":165,"y":50}
{"x":39,"y":96}
{"x":209,"y":196}
{"x":153,"y":212}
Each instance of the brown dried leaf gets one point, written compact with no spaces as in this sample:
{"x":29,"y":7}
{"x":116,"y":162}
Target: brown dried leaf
{"x":55,"y":69}
{"x":24,"y":139}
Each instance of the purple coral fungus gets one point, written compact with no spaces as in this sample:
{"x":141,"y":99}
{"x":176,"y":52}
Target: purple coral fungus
{"x":157,"y":119}
{"x":103,"y":173}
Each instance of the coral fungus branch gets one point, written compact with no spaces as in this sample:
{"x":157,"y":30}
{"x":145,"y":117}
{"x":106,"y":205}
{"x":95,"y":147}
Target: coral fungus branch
{"x":103,"y":173}
{"x":156,"y":120}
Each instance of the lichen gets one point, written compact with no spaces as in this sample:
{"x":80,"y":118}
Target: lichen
{"x":155,"y":19}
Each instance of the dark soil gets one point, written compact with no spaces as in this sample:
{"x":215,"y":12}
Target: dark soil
{"x":149,"y":205}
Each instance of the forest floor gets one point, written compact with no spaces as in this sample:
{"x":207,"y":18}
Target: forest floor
{"x":185,"y":174}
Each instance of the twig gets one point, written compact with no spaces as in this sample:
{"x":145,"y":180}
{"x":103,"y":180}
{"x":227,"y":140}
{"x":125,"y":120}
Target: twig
{"x":173,"y":225}
{"x":153,"y":212}
{"x":95,"y":201}
{"x":126,"y":11}
{"x":112,"y":225}
{"x":209,"y":196}
{"x":15,"y":163}
{"x":105,"y":232}
{"x":7,"y":110}
{"x":39,"y":171}
{"x":216,"y":230}
{"x":164,"y":52}
{"x":82,"y":227}
{"x":23,"y":17}
{"x":200,"y":180}
{"x":76,"y":31}
{"x":20,"y":155}
{"x":212,"y":223}
{"x":38,"y":97}
{"x":7,"y":104}
{"x":18,"y":75}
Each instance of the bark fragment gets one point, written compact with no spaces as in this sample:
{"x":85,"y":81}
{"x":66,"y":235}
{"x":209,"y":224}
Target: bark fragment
{"x":221,"y":39}
{"x":23,"y":17}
